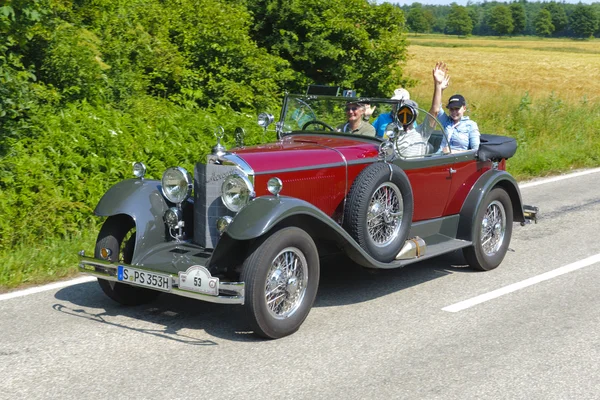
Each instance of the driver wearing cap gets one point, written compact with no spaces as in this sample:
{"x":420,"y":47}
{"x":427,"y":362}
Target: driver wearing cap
{"x":356,"y":124}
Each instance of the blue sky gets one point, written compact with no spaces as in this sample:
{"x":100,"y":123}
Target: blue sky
{"x":464,"y":2}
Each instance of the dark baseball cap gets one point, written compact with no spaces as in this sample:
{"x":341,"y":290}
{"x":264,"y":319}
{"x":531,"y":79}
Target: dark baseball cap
{"x":456,"y":101}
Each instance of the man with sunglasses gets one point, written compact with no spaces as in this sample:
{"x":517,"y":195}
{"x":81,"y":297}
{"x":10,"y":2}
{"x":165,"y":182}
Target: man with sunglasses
{"x":462,"y":133}
{"x":356,"y":124}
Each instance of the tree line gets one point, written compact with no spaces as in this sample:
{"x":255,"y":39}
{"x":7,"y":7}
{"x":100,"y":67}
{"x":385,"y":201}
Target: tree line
{"x":544,"y":19}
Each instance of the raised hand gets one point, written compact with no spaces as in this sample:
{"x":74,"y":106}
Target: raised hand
{"x":446,"y":82}
{"x":440,"y":75}
{"x":369,"y":110}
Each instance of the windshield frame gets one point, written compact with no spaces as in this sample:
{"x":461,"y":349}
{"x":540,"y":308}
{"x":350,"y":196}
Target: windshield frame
{"x":284,"y":128}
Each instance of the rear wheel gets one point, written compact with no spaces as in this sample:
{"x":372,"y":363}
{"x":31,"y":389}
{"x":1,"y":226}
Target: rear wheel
{"x":281,"y":276}
{"x":118,"y":237}
{"x":492,"y":232}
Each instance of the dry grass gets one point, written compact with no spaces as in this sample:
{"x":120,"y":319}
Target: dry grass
{"x":484,"y":69}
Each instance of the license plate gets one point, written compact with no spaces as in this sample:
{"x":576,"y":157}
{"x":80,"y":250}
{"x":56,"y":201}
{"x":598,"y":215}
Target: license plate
{"x":198,"y":279}
{"x":144,"y":278}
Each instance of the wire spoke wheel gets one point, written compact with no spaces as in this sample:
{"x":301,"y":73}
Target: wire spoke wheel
{"x":281,"y":277}
{"x":493,"y":228}
{"x":385,"y":214}
{"x":286,"y":283}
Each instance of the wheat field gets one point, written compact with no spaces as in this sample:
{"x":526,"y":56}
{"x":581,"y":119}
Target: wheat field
{"x":486,"y":69}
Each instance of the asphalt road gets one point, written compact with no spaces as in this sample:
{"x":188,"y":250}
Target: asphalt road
{"x":385,"y":335}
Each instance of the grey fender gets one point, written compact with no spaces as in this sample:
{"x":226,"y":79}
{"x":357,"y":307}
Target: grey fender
{"x":267,"y":212}
{"x":143,"y":201}
{"x":262,"y":214}
{"x":486,"y":182}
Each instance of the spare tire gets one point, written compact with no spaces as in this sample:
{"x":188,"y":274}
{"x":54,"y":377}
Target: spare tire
{"x":379,"y":210}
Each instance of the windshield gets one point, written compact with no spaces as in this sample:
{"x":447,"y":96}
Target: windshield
{"x":421,"y":136}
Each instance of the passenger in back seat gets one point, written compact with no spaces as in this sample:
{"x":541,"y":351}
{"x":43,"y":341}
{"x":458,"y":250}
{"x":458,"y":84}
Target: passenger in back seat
{"x":463,"y":133}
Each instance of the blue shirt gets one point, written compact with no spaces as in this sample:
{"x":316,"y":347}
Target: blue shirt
{"x":381,"y":122}
{"x":462,"y":136}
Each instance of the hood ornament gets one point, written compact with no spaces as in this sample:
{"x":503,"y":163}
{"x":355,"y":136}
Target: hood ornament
{"x":219,"y":150}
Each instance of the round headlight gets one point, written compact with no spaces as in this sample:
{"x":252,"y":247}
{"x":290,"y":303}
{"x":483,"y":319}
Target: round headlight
{"x":176,"y":184}
{"x":236,"y":192}
{"x":172,"y":217}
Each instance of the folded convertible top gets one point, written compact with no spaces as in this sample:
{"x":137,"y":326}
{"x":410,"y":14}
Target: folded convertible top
{"x":495,"y":147}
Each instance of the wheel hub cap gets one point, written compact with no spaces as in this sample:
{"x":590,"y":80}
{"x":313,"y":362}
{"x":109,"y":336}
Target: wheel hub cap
{"x":385,"y":214}
{"x":493,"y":227}
{"x":286,"y":283}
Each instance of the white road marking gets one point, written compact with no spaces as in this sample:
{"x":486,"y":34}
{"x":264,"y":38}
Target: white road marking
{"x":558,"y":178}
{"x":52,"y":286}
{"x":463,"y":305}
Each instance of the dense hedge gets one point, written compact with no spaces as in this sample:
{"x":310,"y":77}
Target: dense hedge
{"x":89,"y":86}
{"x":51,"y":181}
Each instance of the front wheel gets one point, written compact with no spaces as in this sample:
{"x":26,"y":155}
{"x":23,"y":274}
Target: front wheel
{"x":281,"y":276}
{"x":118,"y":237}
{"x":492,"y":232}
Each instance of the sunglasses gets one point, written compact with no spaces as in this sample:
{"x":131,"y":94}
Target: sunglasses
{"x":352,"y":108}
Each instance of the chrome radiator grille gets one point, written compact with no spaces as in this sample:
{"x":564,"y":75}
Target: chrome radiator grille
{"x":208,"y":206}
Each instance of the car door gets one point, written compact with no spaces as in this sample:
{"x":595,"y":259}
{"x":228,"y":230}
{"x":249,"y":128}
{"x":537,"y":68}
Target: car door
{"x":431,"y":181}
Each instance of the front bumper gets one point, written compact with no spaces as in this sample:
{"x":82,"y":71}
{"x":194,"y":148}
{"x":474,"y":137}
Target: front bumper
{"x":229,"y":292}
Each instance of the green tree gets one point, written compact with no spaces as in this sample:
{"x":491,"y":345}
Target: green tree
{"x":476,"y":14}
{"x":519,"y":17}
{"x":584,"y":21}
{"x":430,"y":18}
{"x":459,"y":21}
{"x":543,"y":23}
{"x":350,"y":43}
{"x":18,"y":20}
{"x":560,"y":20}
{"x":501,"y":20}
{"x":416,"y":19}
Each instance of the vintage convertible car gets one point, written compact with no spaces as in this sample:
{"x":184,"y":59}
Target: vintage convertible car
{"x":250,"y":226}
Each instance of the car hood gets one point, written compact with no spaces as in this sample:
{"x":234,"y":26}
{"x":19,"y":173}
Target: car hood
{"x":308,"y":151}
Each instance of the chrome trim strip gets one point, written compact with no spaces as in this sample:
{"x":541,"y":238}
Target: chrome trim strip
{"x":315,"y":166}
{"x":345,"y":163}
{"x":364,"y":161}
{"x":229,"y":292}
{"x":234,"y":159}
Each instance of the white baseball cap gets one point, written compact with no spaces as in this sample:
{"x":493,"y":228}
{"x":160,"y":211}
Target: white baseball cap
{"x":401,"y":94}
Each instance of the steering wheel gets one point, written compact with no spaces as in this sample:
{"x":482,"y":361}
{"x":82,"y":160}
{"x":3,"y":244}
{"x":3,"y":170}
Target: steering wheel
{"x":316,"y":122}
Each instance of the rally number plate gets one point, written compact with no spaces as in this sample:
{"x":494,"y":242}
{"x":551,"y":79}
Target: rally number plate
{"x":144,"y":278}
{"x":198,"y":279}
